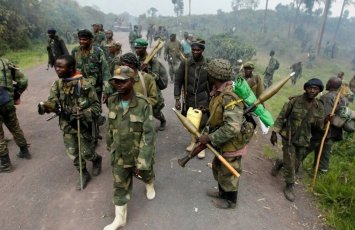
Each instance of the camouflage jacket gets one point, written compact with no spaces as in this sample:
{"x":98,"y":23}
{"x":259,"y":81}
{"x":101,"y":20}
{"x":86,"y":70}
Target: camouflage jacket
{"x":8,"y":75}
{"x":197,"y":83}
{"x":133,"y":35}
{"x":93,"y":66}
{"x":68,"y":96}
{"x":226,"y":120}
{"x":99,"y":38}
{"x":150,"y":87}
{"x":256,"y":84}
{"x":56,"y":47}
{"x":297,"y":117}
{"x":131,"y":132}
{"x":172,"y":50}
{"x":113,"y":62}
{"x":270,"y":69}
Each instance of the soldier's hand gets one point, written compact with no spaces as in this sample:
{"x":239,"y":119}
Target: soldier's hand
{"x":178,"y":105}
{"x":104,"y":98}
{"x":203,"y":139}
{"x":273,"y":138}
{"x":137,"y":173}
{"x":329,"y":118}
{"x":144,"y":67}
{"x":79,"y":115}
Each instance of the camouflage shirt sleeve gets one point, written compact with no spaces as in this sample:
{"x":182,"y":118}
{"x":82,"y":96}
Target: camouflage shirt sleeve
{"x":20,"y":79}
{"x":105,"y":70}
{"x":93,"y":109}
{"x":232,"y":121}
{"x":283,"y":116}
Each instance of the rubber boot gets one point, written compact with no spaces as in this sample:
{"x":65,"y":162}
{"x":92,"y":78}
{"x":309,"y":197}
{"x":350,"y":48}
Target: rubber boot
{"x":5,"y":164}
{"x":288,"y":192}
{"x":86,"y":179}
{"x":96,"y":166}
{"x":192,"y":144}
{"x":277,"y":167}
{"x":228,"y":200}
{"x":120,"y":219}
{"x":150,"y":191}
{"x":162,"y":123}
{"x":24,"y":153}
{"x":213,"y":193}
{"x":201,"y":154}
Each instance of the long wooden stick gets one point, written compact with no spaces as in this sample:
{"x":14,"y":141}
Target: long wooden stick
{"x":157,"y":47}
{"x":79,"y":152}
{"x":337,"y":98}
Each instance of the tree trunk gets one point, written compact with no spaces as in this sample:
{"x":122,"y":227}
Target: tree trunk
{"x":264,"y":26}
{"x":324,"y":20}
{"x":189,"y":7}
{"x":339,"y":21}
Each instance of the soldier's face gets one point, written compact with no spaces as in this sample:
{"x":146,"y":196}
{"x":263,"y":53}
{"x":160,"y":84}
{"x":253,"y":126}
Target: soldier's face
{"x":85,"y":42}
{"x":62,"y":69}
{"x":109,"y":35}
{"x":248,"y":71}
{"x":123,"y":87}
{"x":196,"y":52}
{"x":312,"y":92}
{"x":140,"y":51}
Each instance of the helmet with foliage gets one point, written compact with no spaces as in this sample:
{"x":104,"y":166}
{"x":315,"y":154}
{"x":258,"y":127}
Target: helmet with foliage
{"x":220,"y":69}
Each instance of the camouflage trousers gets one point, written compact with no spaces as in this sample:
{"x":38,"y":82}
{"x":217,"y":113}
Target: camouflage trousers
{"x":157,"y":109}
{"x":123,"y":182}
{"x":87,"y":148}
{"x":268,"y":80}
{"x":326,"y":153}
{"x":292,"y":159}
{"x":9,"y":118}
{"x":226,"y":180}
{"x":173,"y":67}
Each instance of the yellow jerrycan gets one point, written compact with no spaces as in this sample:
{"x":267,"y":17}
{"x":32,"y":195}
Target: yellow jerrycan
{"x":194,"y":115}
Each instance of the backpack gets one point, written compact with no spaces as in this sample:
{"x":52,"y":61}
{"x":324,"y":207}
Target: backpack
{"x":162,"y":80}
{"x":277,"y":65}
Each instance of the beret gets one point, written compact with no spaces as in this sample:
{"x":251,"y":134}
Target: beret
{"x":51,"y":31}
{"x":249,"y":64}
{"x":140,"y":42}
{"x":199,"y":42}
{"x":314,"y":82}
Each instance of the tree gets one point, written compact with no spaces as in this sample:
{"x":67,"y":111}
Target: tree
{"x":152,"y":12}
{"x":324,"y":20}
{"x":342,"y":13}
{"x":264,"y":22}
{"x":178,"y":7}
{"x":244,"y":4}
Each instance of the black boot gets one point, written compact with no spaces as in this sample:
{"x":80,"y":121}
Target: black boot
{"x":288,"y":192}
{"x":5,"y":164}
{"x":277,"y":167}
{"x":24,"y":153}
{"x":228,"y":200}
{"x":96,"y":166}
{"x":86,"y":179}
{"x":162,"y":123}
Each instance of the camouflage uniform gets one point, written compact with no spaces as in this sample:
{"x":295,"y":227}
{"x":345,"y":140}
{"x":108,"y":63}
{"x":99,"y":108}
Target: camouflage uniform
{"x":294,"y":125}
{"x":255,"y":82}
{"x":56,"y":47}
{"x":113,"y":62}
{"x":297,"y":68}
{"x":225,"y":136}
{"x":64,"y":94}
{"x":171,"y":54}
{"x":269,"y":72}
{"x":99,"y":38}
{"x":133,"y":35}
{"x":9,"y":74}
{"x":94,"y":67}
{"x":131,"y":137}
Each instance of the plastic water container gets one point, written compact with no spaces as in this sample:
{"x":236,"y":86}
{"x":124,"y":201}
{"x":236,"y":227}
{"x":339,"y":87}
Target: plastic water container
{"x":194,"y":115}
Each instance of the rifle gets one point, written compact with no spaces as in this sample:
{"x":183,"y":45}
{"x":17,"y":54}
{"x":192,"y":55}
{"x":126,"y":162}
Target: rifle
{"x":182,"y":56}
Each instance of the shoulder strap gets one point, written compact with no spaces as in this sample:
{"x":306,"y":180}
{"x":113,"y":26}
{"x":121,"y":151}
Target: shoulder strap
{"x":141,"y":78}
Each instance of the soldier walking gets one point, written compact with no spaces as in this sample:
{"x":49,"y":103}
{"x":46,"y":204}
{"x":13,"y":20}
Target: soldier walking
{"x":133,"y":35}
{"x":172,"y":56}
{"x":254,"y":81}
{"x":9,"y":97}
{"x":73,"y":97}
{"x":270,"y":69}
{"x":55,"y":47}
{"x":294,"y":124}
{"x":131,"y":137}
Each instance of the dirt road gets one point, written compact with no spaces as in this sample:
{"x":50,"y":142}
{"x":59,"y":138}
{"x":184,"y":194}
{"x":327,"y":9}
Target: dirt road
{"x":40,"y":193}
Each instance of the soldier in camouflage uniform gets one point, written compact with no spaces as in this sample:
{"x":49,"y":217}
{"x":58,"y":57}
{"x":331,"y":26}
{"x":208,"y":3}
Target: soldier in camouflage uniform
{"x":172,"y":55}
{"x":153,"y":69}
{"x":73,"y":97}
{"x":132,"y":138}
{"x":113,"y":56}
{"x":254,"y":81}
{"x":225,"y":132}
{"x":55,"y":47}
{"x":270,"y":69}
{"x":99,"y":37}
{"x":9,"y":97}
{"x":133,"y":35}
{"x":294,"y":124}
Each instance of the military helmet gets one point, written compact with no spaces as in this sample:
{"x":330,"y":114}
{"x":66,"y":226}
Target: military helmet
{"x":220,"y":69}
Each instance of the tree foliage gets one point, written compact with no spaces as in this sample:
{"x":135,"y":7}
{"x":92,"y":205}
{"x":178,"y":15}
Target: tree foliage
{"x":178,"y":7}
{"x":245,"y":4}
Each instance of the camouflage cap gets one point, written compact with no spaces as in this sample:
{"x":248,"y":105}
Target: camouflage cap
{"x":248,"y":64}
{"x":85,"y":34}
{"x":114,"y":44}
{"x":140,"y":42}
{"x":199,"y":42}
{"x":219,"y":69}
{"x":123,"y":73}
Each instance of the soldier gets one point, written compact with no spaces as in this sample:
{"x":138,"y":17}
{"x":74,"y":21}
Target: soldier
{"x":186,"y":44}
{"x":270,"y":69}
{"x":56,"y":47}
{"x":99,"y":36}
{"x":133,"y":35}
{"x":150,"y":34}
{"x":9,"y":97}
{"x":297,"y":68}
{"x":153,"y":68}
{"x":172,"y":55}
{"x":254,"y":81}
{"x":294,"y":126}
{"x":311,"y":57}
{"x":73,"y":97}
{"x":352,"y":84}
{"x":195,"y":85}
{"x":131,"y":137}
{"x":113,"y":56}
{"x":109,"y":37}
{"x":226,"y":132}
{"x":341,"y":75}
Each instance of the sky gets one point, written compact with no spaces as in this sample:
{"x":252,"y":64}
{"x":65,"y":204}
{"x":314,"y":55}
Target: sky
{"x":165,"y":7}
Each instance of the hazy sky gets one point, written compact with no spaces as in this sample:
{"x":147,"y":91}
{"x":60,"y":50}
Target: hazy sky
{"x":165,"y":7}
